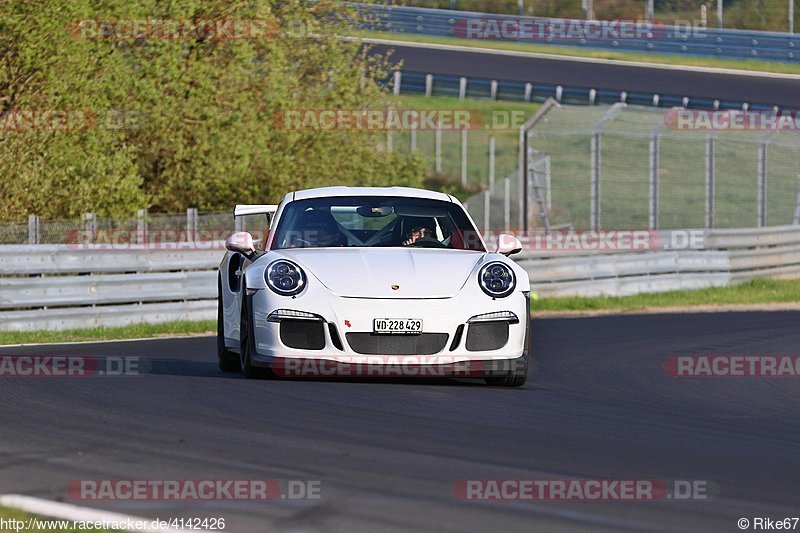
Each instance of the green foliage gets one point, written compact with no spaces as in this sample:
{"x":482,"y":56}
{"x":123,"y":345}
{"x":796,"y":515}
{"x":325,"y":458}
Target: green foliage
{"x":182,"y":122}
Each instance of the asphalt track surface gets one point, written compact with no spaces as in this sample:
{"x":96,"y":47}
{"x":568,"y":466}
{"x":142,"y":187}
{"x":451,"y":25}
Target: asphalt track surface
{"x":388,"y":453}
{"x":677,"y":82}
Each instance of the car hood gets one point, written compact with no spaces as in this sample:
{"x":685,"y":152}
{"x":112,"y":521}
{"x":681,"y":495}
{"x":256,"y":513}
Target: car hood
{"x":372,"y":272}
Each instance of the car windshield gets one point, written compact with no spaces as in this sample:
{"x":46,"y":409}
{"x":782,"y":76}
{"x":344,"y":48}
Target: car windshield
{"x":375,"y":221}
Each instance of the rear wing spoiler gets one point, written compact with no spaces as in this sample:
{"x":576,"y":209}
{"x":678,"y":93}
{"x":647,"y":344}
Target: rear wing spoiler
{"x":255,"y":209}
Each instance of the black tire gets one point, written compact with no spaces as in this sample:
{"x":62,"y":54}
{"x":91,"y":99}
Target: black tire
{"x":227,"y":360}
{"x":247,"y":341}
{"x":519,"y":375}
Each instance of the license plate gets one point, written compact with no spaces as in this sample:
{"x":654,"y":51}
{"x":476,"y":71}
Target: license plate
{"x":401,"y":326}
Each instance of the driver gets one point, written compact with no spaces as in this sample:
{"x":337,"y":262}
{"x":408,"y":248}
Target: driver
{"x":418,"y":228}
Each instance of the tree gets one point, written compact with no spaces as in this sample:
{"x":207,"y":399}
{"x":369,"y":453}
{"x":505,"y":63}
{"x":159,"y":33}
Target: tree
{"x":188,"y":120}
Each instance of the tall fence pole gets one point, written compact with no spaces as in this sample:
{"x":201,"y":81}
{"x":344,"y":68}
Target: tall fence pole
{"x":414,"y":137}
{"x":791,"y":16}
{"x":594,"y":211}
{"x":34,"y":229}
{"x":762,"y":185}
{"x":141,"y":226}
{"x":719,"y":13}
{"x":547,"y":183}
{"x":507,"y":203}
{"x":710,"y":178}
{"x":796,"y":217}
{"x":487,"y":206}
{"x":191,"y":224}
{"x":90,"y":226}
{"x":654,"y":163}
{"x":464,"y":157}
{"x":438,"y":150}
{"x":491,"y":161}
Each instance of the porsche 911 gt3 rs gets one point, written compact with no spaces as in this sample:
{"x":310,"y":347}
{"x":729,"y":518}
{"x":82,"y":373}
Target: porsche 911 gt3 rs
{"x":347,"y":274}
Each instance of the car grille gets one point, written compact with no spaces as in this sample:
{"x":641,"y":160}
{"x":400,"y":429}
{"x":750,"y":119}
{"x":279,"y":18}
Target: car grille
{"x":485,"y":336}
{"x":371,"y":344}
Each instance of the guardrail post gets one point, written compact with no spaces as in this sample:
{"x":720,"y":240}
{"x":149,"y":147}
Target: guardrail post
{"x":90,"y":226}
{"x":191,"y":224}
{"x":34,"y":230}
{"x":464,"y":157}
{"x":507,"y":203}
{"x":491,"y":160}
{"x":528,"y":91}
{"x":428,"y":84}
{"x":462,"y":87}
{"x":398,"y":77}
{"x":762,"y":185}
{"x":710,"y":186}
{"x":594,"y":215}
{"x":493,"y":90}
{"x":654,"y":163}
{"x":141,"y":226}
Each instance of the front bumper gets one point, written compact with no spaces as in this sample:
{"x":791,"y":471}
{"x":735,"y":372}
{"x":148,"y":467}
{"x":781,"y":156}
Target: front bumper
{"x":440,"y":316}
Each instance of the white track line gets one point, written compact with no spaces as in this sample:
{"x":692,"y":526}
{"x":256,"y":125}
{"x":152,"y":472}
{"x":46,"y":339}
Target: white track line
{"x":538,"y":55}
{"x":110,"y":341}
{"x":66,"y":511}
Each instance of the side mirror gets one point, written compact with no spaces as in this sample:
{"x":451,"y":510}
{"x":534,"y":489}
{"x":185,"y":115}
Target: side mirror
{"x":241,"y":242}
{"x":508,"y":244}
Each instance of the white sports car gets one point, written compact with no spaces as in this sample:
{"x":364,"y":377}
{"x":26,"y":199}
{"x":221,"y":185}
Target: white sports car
{"x":367,"y":275}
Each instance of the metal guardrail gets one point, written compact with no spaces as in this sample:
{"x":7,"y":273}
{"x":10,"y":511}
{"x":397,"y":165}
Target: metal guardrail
{"x":660,"y":39}
{"x":729,"y":255}
{"x":61,"y":287}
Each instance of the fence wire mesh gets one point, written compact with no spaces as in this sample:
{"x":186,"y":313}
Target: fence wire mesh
{"x":631,"y":167}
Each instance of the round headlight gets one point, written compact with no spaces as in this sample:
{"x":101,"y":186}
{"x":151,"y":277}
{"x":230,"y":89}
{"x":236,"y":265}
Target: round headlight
{"x":285,"y":278}
{"x":497,"y":280}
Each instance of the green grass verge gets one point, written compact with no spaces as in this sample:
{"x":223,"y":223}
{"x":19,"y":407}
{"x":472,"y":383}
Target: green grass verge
{"x":762,"y":291}
{"x":44,"y":525}
{"x":738,"y":64}
{"x":134,"y":331}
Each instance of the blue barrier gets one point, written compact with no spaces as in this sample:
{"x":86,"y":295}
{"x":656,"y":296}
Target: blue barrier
{"x":632,"y":36}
